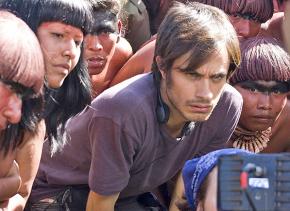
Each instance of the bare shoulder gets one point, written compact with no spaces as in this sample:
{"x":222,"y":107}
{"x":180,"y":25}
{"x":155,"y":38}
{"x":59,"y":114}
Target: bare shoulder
{"x":144,"y":56}
{"x":280,"y":139}
{"x":37,"y":137}
{"x":123,"y":48}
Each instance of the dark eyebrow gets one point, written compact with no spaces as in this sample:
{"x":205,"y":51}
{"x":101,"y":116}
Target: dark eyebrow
{"x":186,"y":70}
{"x":219,"y":74}
{"x":252,"y":84}
{"x":281,"y":86}
{"x":104,"y":25}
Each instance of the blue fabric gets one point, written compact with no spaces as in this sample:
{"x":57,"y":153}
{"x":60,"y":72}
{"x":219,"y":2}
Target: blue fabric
{"x":196,"y":170}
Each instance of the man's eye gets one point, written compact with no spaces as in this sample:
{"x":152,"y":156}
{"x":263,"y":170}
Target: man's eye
{"x":218,"y":78}
{"x":193,"y":75}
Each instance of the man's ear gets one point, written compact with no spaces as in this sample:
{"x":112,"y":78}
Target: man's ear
{"x":161,"y":66}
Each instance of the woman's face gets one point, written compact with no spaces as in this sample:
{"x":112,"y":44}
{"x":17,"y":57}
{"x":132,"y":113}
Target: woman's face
{"x":61,"y":47}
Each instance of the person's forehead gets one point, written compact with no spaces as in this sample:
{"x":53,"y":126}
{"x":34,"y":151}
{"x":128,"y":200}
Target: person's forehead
{"x":265,"y":83}
{"x":102,"y":17}
{"x":56,"y":25}
{"x":218,"y":56}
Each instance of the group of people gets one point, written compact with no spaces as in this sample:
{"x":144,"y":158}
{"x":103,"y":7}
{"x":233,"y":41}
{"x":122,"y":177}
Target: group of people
{"x":69,"y":142}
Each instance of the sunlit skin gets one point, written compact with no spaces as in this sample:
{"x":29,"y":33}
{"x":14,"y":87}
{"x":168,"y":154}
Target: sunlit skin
{"x":10,"y":113}
{"x":209,"y":203}
{"x":139,"y":63}
{"x":10,"y":106}
{"x":260,"y":109}
{"x":280,"y":133}
{"x":207,"y":194}
{"x":245,"y":28}
{"x":193,"y":94}
{"x":61,"y":47}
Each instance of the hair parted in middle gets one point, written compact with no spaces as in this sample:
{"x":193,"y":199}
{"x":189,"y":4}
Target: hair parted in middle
{"x":196,"y":28}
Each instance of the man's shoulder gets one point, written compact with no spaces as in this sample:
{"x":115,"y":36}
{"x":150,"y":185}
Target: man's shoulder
{"x":231,"y":95}
{"x":127,"y":95}
{"x":230,"y":103}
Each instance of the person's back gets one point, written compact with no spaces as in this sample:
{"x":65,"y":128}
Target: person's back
{"x":139,"y":63}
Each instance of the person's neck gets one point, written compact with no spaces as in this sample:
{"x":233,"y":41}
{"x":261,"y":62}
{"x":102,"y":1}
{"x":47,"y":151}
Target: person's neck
{"x":175,"y":127}
{"x":175,"y":122}
{"x":254,"y":141}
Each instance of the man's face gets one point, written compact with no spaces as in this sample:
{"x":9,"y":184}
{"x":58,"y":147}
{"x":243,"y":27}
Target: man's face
{"x":10,"y":106}
{"x":263,"y":103}
{"x":193,"y":94}
{"x":101,"y":43}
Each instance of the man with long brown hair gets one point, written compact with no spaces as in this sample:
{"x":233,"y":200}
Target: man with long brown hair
{"x":143,"y":130}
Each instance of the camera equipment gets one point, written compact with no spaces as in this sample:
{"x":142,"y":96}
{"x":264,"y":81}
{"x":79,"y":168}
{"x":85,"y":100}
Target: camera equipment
{"x":254,"y":182}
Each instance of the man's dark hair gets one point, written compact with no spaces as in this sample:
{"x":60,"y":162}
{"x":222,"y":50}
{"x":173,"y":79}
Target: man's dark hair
{"x":196,"y":28}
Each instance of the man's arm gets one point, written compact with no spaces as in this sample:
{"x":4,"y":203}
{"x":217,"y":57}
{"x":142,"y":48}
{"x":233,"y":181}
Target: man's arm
{"x":97,"y":202}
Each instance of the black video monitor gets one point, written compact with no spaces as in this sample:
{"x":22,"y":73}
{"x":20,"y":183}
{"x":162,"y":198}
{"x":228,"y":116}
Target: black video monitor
{"x":254,"y":182}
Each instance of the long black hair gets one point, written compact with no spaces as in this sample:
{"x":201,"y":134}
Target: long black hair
{"x":74,"y":94}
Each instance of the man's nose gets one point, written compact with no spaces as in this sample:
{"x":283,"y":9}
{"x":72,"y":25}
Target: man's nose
{"x":204,"y":90}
